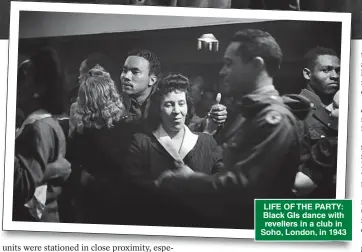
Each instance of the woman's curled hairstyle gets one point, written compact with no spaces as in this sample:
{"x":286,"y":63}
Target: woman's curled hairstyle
{"x":173,"y":82}
{"x":98,"y":104}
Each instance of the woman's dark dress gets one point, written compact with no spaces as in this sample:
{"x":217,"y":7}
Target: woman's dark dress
{"x":146,"y":161}
{"x":97,"y":156}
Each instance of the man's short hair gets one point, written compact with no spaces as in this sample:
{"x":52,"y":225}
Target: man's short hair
{"x":154,"y":61}
{"x":256,"y":43}
{"x":311,"y":56}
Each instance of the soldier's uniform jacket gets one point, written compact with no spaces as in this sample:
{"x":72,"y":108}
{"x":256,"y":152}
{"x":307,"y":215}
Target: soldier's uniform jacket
{"x":319,"y":135}
{"x":261,"y":151}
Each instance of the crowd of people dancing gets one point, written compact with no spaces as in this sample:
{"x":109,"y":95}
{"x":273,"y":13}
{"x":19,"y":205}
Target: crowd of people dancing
{"x":152,"y":152}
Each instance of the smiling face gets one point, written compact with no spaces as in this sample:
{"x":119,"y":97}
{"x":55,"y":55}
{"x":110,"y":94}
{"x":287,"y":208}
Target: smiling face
{"x":173,"y":110}
{"x":324,"y":77}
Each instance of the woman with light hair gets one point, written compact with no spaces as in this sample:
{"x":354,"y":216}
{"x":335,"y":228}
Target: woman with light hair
{"x":98,"y":103}
{"x":98,"y":137}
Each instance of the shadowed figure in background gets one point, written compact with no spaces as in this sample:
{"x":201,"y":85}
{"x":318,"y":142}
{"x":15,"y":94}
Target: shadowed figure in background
{"x":88,"y":63}
{"x":196,"y":92}
{"x":92,"y":60}
{"x":40,"y":167}
{"x":203,"y":99}
{"x":261,"y":145}
{"x":98,"y":137}
{"x":316,"y":177}
{"x":23,"y":68}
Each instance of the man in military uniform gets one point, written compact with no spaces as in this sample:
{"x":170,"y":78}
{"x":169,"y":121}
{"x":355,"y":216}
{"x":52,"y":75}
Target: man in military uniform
{"x":140,"y":74}
{"x":316,"y":178}
{"x":261,"y":143}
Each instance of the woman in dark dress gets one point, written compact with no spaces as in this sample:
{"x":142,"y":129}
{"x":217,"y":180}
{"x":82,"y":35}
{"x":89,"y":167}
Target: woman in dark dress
{"x":98,"y":137}
{"x":167,"y":143}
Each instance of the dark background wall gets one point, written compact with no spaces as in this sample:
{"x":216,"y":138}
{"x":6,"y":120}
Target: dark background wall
{"x":351,"y":6}
{"x":49,"y":24}
{"x":177,"y":48}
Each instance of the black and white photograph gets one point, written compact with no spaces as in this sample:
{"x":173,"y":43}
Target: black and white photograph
{"x":171,"y":121}
{"x":349,"y":6}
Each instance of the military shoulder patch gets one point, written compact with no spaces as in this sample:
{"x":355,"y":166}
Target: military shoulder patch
{"x":273,"y":117}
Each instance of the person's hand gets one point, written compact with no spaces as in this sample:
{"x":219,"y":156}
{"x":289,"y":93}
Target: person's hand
{"x":182,"y":170}
{"x":303,"y":185}
{"x":216,"y":117}
{"x":165,"y":175}
{"x":57,"y":172}
{"x":218,"y":112}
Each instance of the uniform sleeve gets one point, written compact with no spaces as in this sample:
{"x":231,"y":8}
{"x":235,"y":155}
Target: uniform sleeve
{"x":258,"y":163}
{"x":318,"y":157}
{"x":33,"y":149}
{"x":322,"y":160}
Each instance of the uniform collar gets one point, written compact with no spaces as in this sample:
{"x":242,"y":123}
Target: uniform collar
{"x":128,"y":101}
{"x":139,"y":104}
{"x":254,"y":102}
{"x":319,"y":111}
{"x":264,"y":90}
{"x":313,"y":97}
